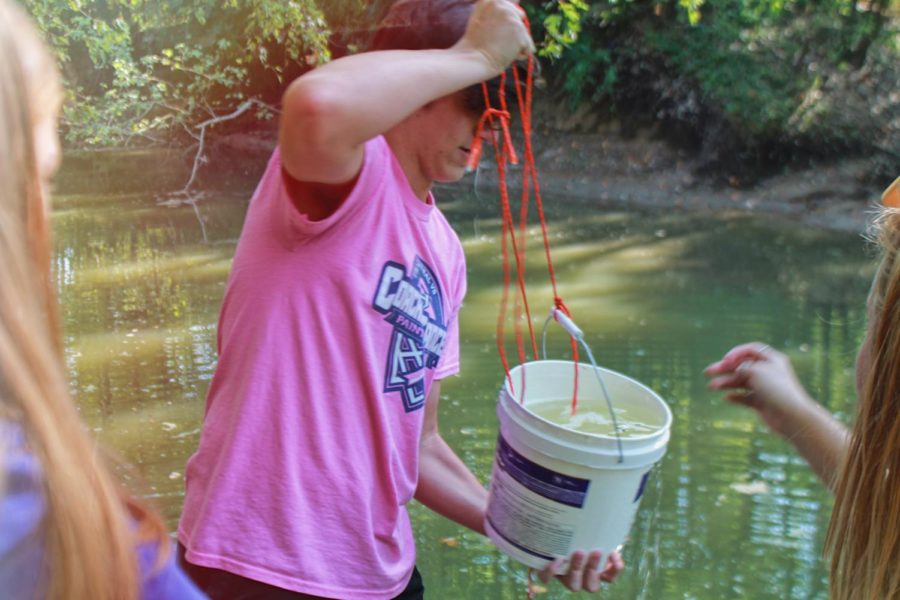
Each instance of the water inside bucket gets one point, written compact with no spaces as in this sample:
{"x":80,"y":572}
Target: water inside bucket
{"x":592,"y":416}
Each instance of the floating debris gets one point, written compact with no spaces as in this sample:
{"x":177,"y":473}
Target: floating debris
{"x":752,"y":488}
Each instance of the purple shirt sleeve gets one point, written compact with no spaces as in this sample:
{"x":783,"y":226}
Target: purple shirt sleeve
{"x":21,"y":542}
{"x":167,"y":582}
{"x":21,"y":513}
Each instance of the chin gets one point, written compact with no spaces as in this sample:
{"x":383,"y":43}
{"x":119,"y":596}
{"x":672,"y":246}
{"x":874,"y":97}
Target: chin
{"x":451,"y":175}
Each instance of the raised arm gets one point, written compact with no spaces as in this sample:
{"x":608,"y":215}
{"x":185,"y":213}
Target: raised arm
{"x":763,"y":379}
{"x":330,"y":113}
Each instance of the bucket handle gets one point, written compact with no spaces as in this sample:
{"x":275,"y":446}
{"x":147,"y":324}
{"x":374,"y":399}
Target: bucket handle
{"x":578,"y":335}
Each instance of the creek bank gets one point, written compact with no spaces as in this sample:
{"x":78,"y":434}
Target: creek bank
{"x":643,"y":172}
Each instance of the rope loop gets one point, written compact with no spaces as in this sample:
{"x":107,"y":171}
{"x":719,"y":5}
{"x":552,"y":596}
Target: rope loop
{"x":487,"y":117}
{"x":558,"y":303}
{"x":505,"y":153}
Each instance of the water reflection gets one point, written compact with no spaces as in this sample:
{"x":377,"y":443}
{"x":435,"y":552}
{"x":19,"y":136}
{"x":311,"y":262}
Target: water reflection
{"x":730,"y":513}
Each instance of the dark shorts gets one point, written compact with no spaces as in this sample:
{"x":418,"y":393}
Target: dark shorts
{"x":222,"y":585}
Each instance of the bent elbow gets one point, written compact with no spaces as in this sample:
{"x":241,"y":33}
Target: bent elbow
{"x":316,"y":141}
{"x":312,"y":111}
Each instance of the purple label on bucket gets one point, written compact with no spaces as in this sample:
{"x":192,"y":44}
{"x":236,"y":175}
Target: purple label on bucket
{"x":642,"y":486}
{"x":564,"y":489}
{"x":516,"y":544}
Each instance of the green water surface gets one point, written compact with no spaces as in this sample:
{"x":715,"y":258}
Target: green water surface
{"x":730,"y":512}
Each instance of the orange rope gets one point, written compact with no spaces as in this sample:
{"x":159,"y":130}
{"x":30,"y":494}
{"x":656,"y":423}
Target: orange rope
{"x":525,"y":106}
{"x":505,"y":154}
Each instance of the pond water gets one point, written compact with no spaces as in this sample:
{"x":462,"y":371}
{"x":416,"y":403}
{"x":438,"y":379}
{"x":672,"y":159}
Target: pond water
{"x":730,"y":512}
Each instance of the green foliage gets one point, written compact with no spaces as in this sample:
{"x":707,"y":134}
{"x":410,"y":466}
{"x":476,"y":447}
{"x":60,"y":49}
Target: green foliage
{"x":141,"y":68}
{"x":773,"y":69}
{"x":561,"y":26}
{"x":590,"y":68}
{"x":757,"y":61}
{"x":691,"y":10}
{"x":769,"y":67}
{"x":733,"y":69}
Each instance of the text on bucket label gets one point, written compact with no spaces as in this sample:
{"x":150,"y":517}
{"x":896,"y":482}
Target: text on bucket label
{"x":534,"y":508}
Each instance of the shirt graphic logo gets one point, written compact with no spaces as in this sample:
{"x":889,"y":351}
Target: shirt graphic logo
{"x":413,"y":305}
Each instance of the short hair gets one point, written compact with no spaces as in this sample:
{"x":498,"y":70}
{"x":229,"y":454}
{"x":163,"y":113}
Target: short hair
{"x":422,"y":24}
{"x":436,"y":25}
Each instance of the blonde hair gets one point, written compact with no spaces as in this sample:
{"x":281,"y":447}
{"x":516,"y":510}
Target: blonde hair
{"x":89,"y":539}
{"x":864,"y":534}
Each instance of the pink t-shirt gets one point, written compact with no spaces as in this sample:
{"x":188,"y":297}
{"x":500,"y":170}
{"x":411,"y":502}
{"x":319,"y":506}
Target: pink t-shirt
{"x":330,"y":335}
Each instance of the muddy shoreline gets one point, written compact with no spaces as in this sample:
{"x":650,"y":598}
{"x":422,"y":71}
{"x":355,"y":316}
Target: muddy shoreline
{"x":643,"y":172}
{"x":647,"y":173}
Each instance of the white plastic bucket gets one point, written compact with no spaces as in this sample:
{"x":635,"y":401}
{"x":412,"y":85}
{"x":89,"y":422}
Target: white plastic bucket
{"x":555,"y":490}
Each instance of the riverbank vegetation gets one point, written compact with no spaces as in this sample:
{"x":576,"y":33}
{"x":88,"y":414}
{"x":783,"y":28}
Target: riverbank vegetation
{"x":749,"y":84}
{"x":745,"y":84}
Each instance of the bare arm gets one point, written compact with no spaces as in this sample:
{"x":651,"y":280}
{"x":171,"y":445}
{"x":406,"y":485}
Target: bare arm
{"x":446,"y":485}
{"x":763,"y":379}
{"x":331,"y":112}
{"x":822,"y":440}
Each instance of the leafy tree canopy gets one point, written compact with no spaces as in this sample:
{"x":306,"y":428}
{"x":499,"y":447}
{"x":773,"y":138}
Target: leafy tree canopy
{"x":138,"y":68}
{"x":808,"y":71}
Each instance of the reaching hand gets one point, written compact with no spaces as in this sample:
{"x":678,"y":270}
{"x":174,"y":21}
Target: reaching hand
{"x":761,"y":378}
{"x":584,"y":570}
{"x":496,"y":29}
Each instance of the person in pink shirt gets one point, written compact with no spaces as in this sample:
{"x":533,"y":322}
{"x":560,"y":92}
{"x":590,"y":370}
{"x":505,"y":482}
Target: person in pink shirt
{"x":340,"y":320}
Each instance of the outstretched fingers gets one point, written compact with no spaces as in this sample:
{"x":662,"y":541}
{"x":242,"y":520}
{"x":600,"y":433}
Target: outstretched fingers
{"x":551,"y":570}
{"x":584,"y":570}
{"x":730,"y":381}
{"x":592,"y":571}
{"x":614,"y":566}
{"x":573,"y":579}
{"x":738,"y":355}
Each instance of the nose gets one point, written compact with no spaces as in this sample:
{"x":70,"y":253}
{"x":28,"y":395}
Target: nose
{"x":489,"y":130}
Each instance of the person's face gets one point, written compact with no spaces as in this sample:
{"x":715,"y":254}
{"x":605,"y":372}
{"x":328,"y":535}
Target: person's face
{"x":446,"y":129}
{"x":46,"y":96}
{"x":47,"y":151}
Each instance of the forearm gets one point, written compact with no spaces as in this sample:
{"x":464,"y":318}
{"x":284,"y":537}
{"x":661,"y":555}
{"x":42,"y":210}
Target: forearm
{"x":393,"y":85}
{"x":818,"y":437}
{"x":448,"y":487}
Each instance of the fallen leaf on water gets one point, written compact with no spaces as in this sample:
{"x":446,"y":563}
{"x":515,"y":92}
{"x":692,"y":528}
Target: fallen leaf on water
{"x":754,"y":487}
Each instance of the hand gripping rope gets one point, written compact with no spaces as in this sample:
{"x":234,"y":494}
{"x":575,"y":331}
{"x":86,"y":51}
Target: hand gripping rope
{"x":504,"y":152}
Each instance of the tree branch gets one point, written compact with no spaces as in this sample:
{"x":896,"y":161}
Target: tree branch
{"x":185,"y":195}
{"x":201,"y":140}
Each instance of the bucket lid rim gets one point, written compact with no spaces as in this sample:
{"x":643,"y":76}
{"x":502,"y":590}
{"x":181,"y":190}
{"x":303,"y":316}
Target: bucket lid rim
{"x":666,"y":426}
